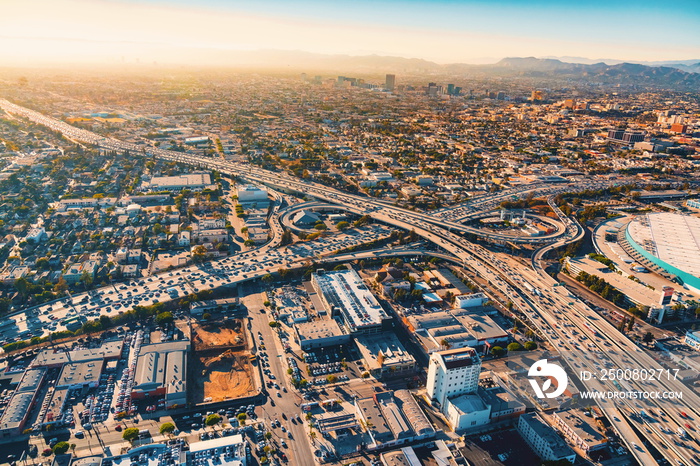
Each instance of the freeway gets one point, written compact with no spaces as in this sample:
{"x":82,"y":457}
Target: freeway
{"x":227,"y":272}
{"x":474,"y":208}
{"x":556,"y":313}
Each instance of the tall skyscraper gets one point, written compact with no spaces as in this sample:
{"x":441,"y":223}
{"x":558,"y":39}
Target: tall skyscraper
{"x":390,"y":82}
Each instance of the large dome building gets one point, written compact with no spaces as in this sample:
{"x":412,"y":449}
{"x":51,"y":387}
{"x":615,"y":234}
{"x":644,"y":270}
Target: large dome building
{"x":669,"y":244}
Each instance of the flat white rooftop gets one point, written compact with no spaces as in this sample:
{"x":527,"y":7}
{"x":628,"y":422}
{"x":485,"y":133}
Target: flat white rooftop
{"x":673,"y":238}
{"x":216,"y":443}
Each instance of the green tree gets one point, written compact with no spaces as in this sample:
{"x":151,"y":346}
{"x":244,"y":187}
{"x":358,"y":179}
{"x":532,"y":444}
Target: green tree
{"x":274,"y":324}
{"x":530,"y":345}
{"x":267,"y":278}
{"x":648,"y":337}
{"x":164,"y":318}
{"x":515,"y":346}
{"x":86,"y":279}
{"x":199,"y":253}
{"x":212,"y":419}
{"x":60,"y":448}
{"x":342,"y":225}
{"x":105,"y":322}
{"x":130,"y":434}
{"x":498,"y":351}
{"x":332,"y":378}
{"x":22,"y":287}
{"x":167,"y":428}
{"x":42,"y":263}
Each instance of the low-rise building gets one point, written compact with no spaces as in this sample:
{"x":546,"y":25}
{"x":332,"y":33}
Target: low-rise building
{"x":543,"y":440}
{"x":191,"y":181}
{"x":471,"y":300}
{"x":198,"y":308}
{"x":580,"y":429}
{"x":385,"y":356}
{"x":250,"y":194}
{"x":467,"y":411}
{"x":346,"y":295}
{"x":223,"y":451}
{"x":130,"y":271}
{"x":12,"y":273}
{"x":74,"y":273}
{"x":87,"y":203}
{"x":319,"y":334}
{"x":692,"y":339}
{"x":16,"y":413}
{"x":211,"y":236}
{"x":161,"y":370}
{"x":80,"y":374}
{"x":458,"y":328}
{"x":502,"y":401}
{"x":393,"y":418}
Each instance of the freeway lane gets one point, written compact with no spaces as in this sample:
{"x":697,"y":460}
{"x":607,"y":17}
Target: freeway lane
{"x":440,"y":233}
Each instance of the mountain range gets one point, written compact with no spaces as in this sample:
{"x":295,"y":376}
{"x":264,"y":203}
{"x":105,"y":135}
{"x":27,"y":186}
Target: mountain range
{"x":670,"y":75}
{"x":678,"y":75}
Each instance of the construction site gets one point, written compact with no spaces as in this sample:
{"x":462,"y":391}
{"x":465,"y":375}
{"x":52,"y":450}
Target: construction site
{"x":221,"y":363}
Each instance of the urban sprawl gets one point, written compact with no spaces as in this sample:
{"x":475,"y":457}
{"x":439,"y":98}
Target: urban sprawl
{"x":240,"y":269}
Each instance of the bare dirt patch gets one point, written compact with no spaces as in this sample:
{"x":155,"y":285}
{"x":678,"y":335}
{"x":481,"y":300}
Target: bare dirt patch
{"x":228,"y":334}
{"x":222,"y":376}
{"x":221,"y":368}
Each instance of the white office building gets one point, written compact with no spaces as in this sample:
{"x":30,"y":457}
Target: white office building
{"x":250,"y":194}
{"x":452,"y":373}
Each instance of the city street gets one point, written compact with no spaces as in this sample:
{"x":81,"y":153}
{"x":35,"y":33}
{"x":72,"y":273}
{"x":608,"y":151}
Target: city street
{"x":299,"y":451}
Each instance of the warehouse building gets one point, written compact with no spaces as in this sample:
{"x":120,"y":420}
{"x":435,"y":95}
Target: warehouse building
{"x":161,"y":371}
{"x":14,"y":419}
{"x":80,"y":375}
{"x":393,"y":418}
{"x":319,"y":334}
{"x":191,"y":181}
{"x":346,"y":295}
{"x":385,"y":356}
{"x":250,"y":194}
{"x":459,"y":328}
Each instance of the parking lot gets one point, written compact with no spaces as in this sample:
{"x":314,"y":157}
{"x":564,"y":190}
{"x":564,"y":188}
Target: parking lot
{"x":342,"y":362}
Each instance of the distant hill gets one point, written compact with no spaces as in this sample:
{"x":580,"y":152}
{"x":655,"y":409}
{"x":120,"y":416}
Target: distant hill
{"x":622,"y":73}
{"x":682,"y":75}
{"x":663,"y":77}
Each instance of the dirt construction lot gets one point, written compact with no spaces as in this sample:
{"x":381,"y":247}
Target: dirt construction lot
{"x":218,"y":335}
{"x":221,"y":368}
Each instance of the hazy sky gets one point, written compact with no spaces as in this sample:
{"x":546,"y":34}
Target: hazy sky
{"x":444,"y":31}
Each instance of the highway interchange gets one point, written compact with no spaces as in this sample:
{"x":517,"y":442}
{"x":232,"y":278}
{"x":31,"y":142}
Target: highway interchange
{"x":584,"y":338}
